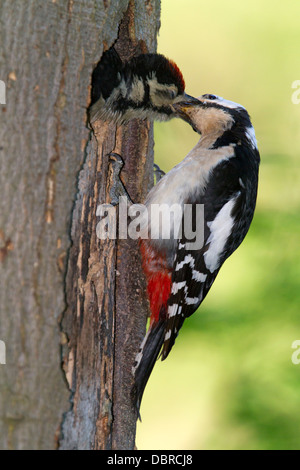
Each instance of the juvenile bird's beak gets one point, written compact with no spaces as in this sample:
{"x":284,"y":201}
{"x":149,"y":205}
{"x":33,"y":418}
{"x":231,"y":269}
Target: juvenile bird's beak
{"x":187,"y":102}
{"x":184,"y":108}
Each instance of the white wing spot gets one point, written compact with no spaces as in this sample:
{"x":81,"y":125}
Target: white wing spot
{"x":220,"y":229}
{"x":187,"y":260}
{"x":168,"y":335}
{"x":172,"y":310}
{"x":191,"y":300}
{"x":199,"y":277}
{"x":176,"y":286}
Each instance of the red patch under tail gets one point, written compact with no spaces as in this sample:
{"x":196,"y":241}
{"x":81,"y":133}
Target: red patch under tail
{"x":158,"y":280}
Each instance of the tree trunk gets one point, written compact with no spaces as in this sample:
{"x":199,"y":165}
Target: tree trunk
{"x":48,"y":51}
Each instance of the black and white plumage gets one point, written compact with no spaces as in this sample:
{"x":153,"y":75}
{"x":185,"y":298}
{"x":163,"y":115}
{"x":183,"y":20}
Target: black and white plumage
{"x":220,"y":172}
{"x":145,"y":87}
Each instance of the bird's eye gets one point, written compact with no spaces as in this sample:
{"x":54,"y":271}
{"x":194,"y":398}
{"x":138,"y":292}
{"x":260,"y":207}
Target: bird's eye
{"x":172,"y":94}
{"x":207,"y":96}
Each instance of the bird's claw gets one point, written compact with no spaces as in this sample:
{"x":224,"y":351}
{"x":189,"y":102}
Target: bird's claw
{"x":117,"y":188}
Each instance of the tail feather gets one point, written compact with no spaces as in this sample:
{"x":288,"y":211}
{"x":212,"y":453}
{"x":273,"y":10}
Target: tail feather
{"x":172,"y":328}
{"x":146,"y":358}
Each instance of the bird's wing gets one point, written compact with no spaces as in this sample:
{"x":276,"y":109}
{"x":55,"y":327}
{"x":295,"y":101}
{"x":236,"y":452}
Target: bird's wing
{"x":194,"y":271}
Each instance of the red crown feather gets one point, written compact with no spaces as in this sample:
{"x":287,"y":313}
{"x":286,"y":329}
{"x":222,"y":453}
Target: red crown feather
{"x":177,"y":72}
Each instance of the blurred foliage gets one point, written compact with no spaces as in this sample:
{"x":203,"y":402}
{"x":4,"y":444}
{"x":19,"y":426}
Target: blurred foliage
{"x":229,"y":382}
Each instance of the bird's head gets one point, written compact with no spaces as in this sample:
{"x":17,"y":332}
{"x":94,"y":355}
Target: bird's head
{"x":218,"y":119}
{"x":157,"y":84}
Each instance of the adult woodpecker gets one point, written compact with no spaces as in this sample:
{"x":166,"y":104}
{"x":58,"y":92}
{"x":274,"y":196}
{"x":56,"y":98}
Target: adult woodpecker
{"x":220,"y":172}
{"x":145,"y":87}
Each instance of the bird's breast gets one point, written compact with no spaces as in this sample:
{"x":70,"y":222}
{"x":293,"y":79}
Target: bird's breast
{"x":165,"y":202}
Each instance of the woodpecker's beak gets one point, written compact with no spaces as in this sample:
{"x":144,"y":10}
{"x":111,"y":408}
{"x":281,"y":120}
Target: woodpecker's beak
{"x":188,"y":100}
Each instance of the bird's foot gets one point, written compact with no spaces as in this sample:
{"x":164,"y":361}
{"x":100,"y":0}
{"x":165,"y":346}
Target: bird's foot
{"x":117,"y":188}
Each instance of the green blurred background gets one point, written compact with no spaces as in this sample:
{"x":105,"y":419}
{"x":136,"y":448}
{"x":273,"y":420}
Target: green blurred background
{"x":229,"y":382}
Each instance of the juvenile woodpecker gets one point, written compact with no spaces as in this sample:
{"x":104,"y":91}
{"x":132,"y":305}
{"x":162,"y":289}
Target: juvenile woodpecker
{"x":145,"y":87}
{"x":220,"y":172}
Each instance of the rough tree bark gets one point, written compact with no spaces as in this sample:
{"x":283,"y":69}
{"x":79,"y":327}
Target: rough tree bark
{"x":47,"y":54}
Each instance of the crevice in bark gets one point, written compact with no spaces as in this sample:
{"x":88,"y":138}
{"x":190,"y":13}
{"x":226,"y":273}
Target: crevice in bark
{"x":105,"y":286}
